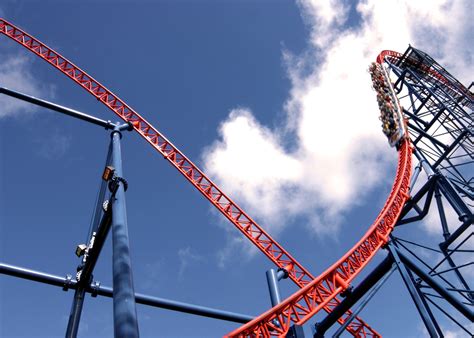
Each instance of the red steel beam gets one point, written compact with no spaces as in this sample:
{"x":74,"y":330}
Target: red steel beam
{"x":254,"y":232}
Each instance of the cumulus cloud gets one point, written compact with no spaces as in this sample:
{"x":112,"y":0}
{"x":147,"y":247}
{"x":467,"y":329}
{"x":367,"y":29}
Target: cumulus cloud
{"x":16,"y":74}
{"x":458,"y":332}
{"x":340,"y":153}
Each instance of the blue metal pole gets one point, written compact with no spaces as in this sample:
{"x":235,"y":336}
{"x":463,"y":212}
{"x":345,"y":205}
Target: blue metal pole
{"x":76,"y":311}
{"x":437,"y":287}
{"x":420,"y":304}
{"x":100,"y":290}
{"x":125,"y":312}
{"x":353,"y":296}
{"x":272,"y":281}
{"x":364,"y":302}
{"x":57,"y":107}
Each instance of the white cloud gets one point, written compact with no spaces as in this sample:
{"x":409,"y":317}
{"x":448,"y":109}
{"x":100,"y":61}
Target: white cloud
{"x":187,"y":257}
{"x":16,"y":74}
{"x":458,"y":332}
{"x":340,"y":153}
{"x":324,"y":17}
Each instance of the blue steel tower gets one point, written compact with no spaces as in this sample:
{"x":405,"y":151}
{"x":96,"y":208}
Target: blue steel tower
{"x":437,"y":268}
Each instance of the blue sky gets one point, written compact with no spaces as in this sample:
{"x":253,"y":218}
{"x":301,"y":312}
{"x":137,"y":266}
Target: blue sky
{"x":271,"y":98}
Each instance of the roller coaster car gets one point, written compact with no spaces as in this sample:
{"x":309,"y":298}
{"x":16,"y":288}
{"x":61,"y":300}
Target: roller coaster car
{"x":393,"y":122}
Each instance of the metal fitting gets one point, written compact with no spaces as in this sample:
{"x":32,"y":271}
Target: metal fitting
{"x":80,"y":249}
{"x":95,"y":286}
{"x":113,"y":184}
{"x":67,"y":283}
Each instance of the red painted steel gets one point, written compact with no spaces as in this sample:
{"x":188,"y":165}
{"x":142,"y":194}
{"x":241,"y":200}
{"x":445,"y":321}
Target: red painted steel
{"x":305,"y":303}
{"x":254,"y":232}
{"x":452,"y":88}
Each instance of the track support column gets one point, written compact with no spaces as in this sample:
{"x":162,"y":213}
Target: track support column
{"x":272,"y":280}
{"x":354,"y":296}
{"x":420,"y":303}
{"x":76,"y":311}
{"x":125,"y":312}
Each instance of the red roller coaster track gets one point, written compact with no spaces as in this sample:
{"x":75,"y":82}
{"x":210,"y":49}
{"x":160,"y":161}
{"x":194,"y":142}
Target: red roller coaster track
{"x":315,"y":294}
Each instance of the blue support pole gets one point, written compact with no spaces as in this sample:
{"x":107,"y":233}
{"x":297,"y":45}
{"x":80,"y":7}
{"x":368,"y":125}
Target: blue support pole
{"x":76,"y":311}
{"x":57,"y":107}
{"x":423,"y":309}
{"x":272,"y":281}
{"x":353,"y":296}
{"x":125,"y":312}
{"x":364,"y":302}
{"x":457,"y":304}
{"x":99,"y":290}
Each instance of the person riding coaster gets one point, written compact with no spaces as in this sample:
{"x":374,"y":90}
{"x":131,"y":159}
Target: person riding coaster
{"x":393,"y":125}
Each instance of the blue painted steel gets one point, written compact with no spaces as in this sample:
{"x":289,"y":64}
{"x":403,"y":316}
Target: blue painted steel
{"x":364,"y":302}
{"x":57,"y":107}
{"x":105,"y":291}
{"x":420,"y":304}
{"x":100,"y":231}
{"x":272,"y":281}
{"x":353,"y":296}
{"x":437,"y":287}
{"x":76,"y":311}
{"x":125,"y":312}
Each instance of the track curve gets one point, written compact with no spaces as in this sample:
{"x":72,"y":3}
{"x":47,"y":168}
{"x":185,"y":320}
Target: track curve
{"x":305,"y":303}
{"x":255,"y":233}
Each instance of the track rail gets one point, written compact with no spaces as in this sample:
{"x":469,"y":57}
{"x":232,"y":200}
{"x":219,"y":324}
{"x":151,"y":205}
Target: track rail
{"x":254,"y":232}
{"x":322,"y":291}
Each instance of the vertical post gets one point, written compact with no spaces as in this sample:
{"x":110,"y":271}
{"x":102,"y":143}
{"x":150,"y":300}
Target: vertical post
{"x":125,"y":312}
{"x":75,"y":315}
{"x":423,"y":309}
{"x":272,"y":282}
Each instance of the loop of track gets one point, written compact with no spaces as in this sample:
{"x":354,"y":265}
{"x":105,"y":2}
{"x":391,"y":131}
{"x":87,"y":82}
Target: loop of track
{"x":326,"y":288}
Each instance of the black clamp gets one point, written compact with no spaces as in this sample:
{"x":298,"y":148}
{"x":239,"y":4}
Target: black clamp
{"x":95,"y":287}
{"x":285,"y":273}
{"x":347,"y":292}
{"x":67,"y":283}
{"x":114,"y":184}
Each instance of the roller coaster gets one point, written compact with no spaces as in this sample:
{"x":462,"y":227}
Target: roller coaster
{"x":426,"y":115}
